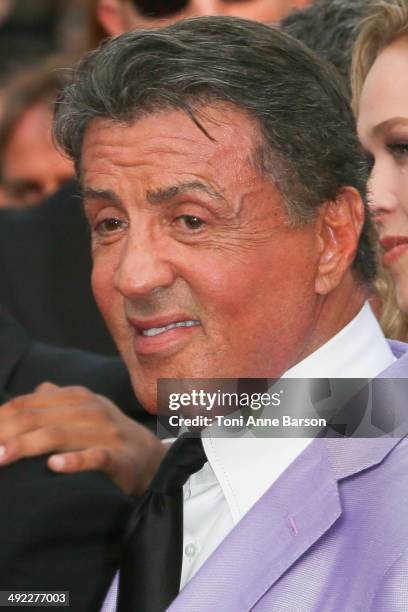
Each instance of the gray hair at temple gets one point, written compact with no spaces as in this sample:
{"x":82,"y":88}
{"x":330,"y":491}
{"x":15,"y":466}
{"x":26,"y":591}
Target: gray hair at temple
{"x":307,"y":142}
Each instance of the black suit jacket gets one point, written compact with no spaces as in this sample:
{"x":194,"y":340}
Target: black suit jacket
{"x":58,"y":531}
{"x":45,"y":265}
{"x":24,"y":364}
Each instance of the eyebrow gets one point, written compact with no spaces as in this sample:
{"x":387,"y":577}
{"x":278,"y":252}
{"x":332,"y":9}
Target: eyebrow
{"x":390,"y":123}
{"x":157,"y":196}
{"x":89,"y":193}
{"x":165,"y":194}
{"x":19,"y":183}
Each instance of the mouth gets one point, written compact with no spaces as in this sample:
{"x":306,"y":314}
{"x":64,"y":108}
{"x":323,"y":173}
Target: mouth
{"x":394,"y":247}
{"x":156,"y":331}
{"x":163,"y":335}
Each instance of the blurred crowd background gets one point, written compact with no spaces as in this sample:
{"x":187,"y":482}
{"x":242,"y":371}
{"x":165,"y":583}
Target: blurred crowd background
{"x":29,"y":31}
{"x":44,"y":243}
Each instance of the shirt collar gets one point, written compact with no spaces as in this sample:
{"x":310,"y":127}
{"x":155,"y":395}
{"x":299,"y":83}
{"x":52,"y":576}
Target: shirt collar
{"x":245,"y":467}
{"x":359,"y":350}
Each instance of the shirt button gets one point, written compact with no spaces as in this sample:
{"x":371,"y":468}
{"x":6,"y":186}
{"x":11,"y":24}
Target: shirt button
{"x":190,"y":550}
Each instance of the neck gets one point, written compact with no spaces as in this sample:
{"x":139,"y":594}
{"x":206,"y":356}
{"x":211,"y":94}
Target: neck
{"x":336,"y":310}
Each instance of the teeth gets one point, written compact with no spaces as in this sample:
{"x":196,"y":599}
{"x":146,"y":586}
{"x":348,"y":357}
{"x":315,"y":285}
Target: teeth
{"x":155,"y":331}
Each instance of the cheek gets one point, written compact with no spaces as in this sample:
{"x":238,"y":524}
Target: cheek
{"x":388,"y":185}
{"x":403,"y":190}
{"x":291,"y":276}
{"x":379,"y":181}
{"x":102,"y":281}
{"x":239,"y":286}
{"x":223,"y":279}
{"x":259,"y":308}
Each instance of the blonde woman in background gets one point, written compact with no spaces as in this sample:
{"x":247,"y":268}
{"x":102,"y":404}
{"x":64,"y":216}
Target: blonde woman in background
{"x":380,"y":100}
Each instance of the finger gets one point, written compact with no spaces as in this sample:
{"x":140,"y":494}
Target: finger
{"x":120,"y":470}
{"x":46,"y":387}
{"x":30,"y":418}
{"x":30,"y":444}
{"x":53,"y":396}
{"x":14,"y":405}
{"x":47,"y":440}
{"x":16,"y":421}
{"x":37,"y":411}
{"x":30,"y":401}
{"x":95,"y":458}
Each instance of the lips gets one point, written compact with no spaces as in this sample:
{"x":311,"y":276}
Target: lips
{"x":394,"y":247}
{"x":390,"y":242}
{"x":155,"y":331}
{"x":162,"y":323}
{"x":166,"y":333}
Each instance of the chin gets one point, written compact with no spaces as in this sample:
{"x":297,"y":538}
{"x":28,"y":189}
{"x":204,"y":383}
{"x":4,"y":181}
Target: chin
{"x":146,"y":394}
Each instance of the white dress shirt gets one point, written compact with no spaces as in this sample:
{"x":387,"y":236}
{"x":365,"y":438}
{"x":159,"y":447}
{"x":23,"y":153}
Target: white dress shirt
{"x":239,"y":470}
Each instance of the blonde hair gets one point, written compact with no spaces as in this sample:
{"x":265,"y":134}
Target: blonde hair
{"x":386,"y":22}
{"x":393,"y":320}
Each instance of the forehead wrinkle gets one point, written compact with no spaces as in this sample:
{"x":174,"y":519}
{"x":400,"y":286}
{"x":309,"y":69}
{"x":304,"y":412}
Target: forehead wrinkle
{"x":164,"y":194}
{"x":122,"y":158}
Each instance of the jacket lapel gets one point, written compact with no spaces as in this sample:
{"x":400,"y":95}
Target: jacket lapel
{"x":293,"y":514}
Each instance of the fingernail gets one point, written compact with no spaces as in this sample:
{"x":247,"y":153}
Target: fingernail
{"x":2,"y":452}
{"x":57,"y":462}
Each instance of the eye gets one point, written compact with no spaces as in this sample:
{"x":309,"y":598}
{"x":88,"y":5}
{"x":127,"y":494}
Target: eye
{"x":398,"y":149}
{"x":109,"y":226}
{"x":24,"y":192}
{"x":191,"y":222}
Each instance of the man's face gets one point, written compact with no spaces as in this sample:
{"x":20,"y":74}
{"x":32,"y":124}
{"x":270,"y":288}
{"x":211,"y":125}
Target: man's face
{"x":196,"y":270}
{"x":258,"y":10}
{"x":32,"y":166}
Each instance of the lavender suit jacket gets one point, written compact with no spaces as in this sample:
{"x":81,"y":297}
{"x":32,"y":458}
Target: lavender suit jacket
{"x":330,"y":535}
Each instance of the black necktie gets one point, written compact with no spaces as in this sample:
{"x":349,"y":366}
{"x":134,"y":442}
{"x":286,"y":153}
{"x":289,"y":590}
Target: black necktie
{"x":150,"y":568}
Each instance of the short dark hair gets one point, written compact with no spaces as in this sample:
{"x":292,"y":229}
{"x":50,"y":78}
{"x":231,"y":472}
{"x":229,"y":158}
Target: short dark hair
{"x":329,"y":28}
{"x":308,"y":144}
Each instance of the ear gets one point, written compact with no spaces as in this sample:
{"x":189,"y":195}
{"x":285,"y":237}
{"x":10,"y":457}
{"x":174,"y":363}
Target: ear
{"x":110,"y":16}
{"x":339,"y":227}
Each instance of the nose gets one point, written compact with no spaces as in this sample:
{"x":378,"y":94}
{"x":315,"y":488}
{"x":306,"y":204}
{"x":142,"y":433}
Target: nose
{"x":142,"y":269}
{"x":383,"y":188}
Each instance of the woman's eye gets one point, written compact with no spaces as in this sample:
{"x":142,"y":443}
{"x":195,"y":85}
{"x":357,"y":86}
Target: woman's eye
{"x":107,"y":226}
{"x":191,"y":222}
{"x":399,"y":149}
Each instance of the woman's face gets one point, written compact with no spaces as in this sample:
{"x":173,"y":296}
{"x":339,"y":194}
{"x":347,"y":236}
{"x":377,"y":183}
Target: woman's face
{"x":383,"y":130}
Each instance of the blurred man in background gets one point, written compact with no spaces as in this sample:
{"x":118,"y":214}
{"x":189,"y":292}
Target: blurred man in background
{"x":118,"y":16}
{"x":31,"y":167}
{"x":44,"y":249}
